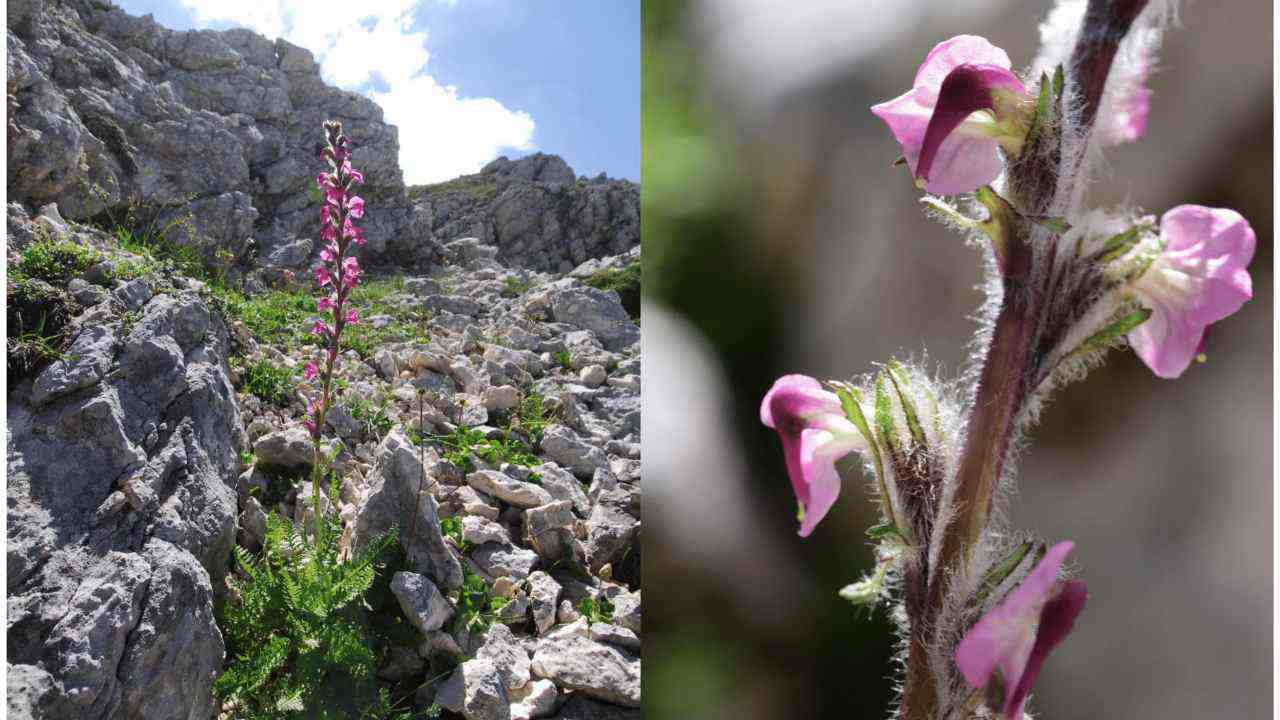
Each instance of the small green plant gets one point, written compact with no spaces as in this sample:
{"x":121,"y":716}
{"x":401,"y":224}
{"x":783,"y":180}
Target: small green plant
{"x":372,"y":416}
{"x":596,"y":610}
{"x":292,"y":625}
{"x":452,"y":527}
{"x":564,"y":359}
{"x":515,"y":287}
{"x":463,"y":445}
{"x":38,"y":314}
{"x":246,"y":457}
{"x":54,"y":261}
{"x":272,"y":383}
{"x":476,"y":607}
{"x":625,"y":281}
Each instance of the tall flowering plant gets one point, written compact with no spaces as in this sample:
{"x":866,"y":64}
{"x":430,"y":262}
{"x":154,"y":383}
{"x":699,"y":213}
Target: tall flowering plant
{"x":336,"y":276}
{"x":1006,"y":158}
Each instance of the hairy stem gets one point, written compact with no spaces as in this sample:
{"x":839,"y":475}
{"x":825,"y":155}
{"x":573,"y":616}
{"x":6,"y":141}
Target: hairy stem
{"x":1003,"y":388}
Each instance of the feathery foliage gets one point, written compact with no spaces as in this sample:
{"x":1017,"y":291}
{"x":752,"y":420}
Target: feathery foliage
{"x":292,"y":629}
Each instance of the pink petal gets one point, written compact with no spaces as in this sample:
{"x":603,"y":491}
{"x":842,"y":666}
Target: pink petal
{"x":815,"y":434}
{"x":966,"y":90}
{"x":355,"y":206}
{"x":1005,"y":636}
{"x":1199,"y":279}
{"x":1056,"y":621}
{"x":950,"y":54}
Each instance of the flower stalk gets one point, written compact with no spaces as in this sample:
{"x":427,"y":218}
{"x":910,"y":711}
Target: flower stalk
{"x":979,"y":611}
{"x":336,"y":276}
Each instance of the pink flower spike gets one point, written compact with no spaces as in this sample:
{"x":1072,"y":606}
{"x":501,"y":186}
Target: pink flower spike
{"x":355,"y":206}
{"x":310,"y":372}
{"x":815,"y":434}
{"x":1200,"y":277}
{"x":1017,"y":635}
{"x":963,"y":153}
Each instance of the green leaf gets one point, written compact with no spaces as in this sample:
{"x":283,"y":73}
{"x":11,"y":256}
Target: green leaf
{"x":899,"y":380}
{"x":884,"y":415}
{"x":1059,"y":81}
{"x":879,"y":532}
{"x":1107,"y":336}
{"x":1001,"y":571}
{"x":1121,"y":243}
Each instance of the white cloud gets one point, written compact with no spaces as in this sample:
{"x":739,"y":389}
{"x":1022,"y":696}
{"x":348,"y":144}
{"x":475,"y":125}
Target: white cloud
{"x":443,"y":134}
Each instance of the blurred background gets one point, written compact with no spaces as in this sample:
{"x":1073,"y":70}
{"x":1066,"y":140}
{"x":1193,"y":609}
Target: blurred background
{"x":779,"y":239}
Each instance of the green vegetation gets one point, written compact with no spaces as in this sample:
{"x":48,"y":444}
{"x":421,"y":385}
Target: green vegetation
{"x":38,"y":314}
{"x":272,"y":383}
{"x":293,"y":627}
{"x":56,"y":262}
{"x":515,"y":287}
{"x":564,"y":359}
{"x":479,"y":187}
{"x":462,"y":446}
{"x":452,"y":527}
{"x":625,"y":281}
{"x":476,"y":607}
{"x":372,"y":417}
{"x":596,"y":610}
{"x":37,"y":306}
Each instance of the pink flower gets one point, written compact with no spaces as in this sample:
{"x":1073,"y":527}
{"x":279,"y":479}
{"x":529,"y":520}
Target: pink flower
{"x":310,"y":426}
{"x":355,"y":206}
{"x":948,"y":148}
{"x":310,"y":372}
{"x":322,"y":276}
{"x":350,"y":270}
{"x":352,"y":173}
{"x":351,"y":232}
{"x":325,"y":303}
{"x":815,"y":433}
{"x":328,"y":233}
{"x":1017,"y":635}
{"x":353,"y":317}
{"x":326,"y":255}
{"x":1199,"y":278}
{"x":321,"y":329}
{"x":334,"y":195}
{"x":324,"y":180}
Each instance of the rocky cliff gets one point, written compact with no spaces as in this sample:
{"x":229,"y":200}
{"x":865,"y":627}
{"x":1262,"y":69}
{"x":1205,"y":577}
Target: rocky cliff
{"x":211,"y":137}
{"x":160,"y":233}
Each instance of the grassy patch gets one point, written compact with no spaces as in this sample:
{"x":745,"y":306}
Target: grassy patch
{"x":625,"y":281}
{"x":478,"y":187}
{"x":564,"y":359}
{"x":515,"y":287}
{"x":38,"y":314}
{"x":464,"y":445}
{"x":56,"y":262}
{"x":272,"y":383}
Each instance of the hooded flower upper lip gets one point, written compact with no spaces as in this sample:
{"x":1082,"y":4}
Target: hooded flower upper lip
{"x":947,"y":148}
{"x":1199,"y":278}
{"x":815,"y":433}
{"x":1017,"y":635}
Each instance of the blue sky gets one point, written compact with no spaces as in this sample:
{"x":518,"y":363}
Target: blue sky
{"x":466,"y":80}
